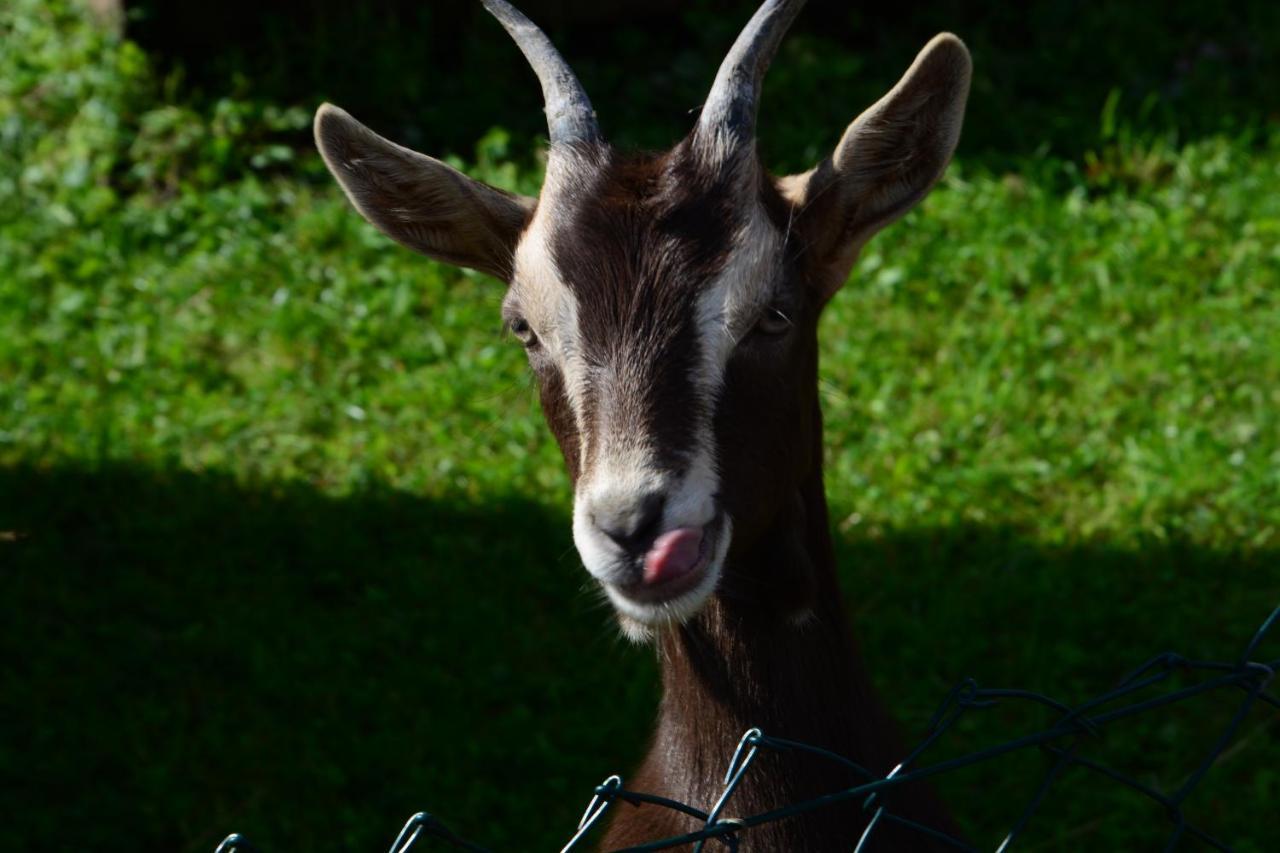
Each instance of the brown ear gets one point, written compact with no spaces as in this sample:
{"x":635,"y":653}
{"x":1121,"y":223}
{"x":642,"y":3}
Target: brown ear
{"x":888,"y":159}
{"x":419,"y":201}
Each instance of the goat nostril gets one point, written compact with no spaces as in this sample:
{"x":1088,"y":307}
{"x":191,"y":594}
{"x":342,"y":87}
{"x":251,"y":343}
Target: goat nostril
{"x":635,"y":527}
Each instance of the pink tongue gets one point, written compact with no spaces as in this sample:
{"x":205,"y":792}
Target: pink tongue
{"x":673,"y":554}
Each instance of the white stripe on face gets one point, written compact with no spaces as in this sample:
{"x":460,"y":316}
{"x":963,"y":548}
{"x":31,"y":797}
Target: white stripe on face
{"x":728,"y":308}
{"x":547,"y":303}
{"x":726,"y":311}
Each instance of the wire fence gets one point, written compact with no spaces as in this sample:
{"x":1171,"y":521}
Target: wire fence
{"x":1245,"y":679}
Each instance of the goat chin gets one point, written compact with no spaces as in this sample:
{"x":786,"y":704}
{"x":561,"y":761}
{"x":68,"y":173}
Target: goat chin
{"x":639,"y":621}
{"x":635,"y":630}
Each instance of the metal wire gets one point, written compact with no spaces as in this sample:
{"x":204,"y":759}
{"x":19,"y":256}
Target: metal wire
{"x":1060,"y":741}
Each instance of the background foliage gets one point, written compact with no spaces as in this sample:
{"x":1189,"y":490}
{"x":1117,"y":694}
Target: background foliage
{"x":285,"y":546}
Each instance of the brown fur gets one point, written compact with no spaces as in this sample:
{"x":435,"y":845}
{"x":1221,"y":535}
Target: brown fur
{"x":772,"y":650}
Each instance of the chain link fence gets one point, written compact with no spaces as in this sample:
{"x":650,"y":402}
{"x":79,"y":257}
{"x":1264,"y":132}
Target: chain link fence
{"x":1244,"y":681}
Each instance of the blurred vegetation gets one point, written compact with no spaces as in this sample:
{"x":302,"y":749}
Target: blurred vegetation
{"x":440,"y":75}
{"x":285,"y":545}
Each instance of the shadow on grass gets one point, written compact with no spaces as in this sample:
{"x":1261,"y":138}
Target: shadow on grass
{"x":185,"y":657}
{"x":932,"y":606}
{"x":188,"y":657}
{"x":1043,"y":70}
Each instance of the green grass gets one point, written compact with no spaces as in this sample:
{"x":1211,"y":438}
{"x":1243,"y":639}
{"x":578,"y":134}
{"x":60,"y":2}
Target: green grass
{"x":290,"y":545}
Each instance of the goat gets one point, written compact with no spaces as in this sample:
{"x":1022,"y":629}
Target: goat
{"x":668,"y":303}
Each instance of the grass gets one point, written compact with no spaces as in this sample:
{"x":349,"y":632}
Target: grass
{"x":286,"y":545}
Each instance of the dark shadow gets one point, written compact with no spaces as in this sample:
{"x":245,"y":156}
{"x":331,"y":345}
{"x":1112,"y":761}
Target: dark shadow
{"x":439,"y":75}
{"x":933,"y":606}
{"x":185,"y":656}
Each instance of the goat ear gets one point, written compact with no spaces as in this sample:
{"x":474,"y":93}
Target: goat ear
{"x":419,"y":201}
{"x":888,"y":159}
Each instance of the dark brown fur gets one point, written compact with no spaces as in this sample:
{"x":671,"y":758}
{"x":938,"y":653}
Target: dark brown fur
{"x":743,"y":662}
{"x":772,"y":648}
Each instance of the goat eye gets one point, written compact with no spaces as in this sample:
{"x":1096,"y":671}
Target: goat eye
{"x":773,"y":322}
{"x":523,"y":331}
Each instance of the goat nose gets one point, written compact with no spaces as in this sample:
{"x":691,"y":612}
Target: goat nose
{"x":634,"y":525}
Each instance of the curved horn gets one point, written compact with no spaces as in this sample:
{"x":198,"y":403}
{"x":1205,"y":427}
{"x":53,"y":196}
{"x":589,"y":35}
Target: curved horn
{"x":570,"y":117}
{"x":731,"y":107}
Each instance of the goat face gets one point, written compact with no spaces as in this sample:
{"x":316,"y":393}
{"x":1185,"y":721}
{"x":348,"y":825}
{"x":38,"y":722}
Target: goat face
{"x":653,"y":295}
{"x":669,"y":303}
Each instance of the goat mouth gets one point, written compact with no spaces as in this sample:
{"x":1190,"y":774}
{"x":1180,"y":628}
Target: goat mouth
{"x":675,"y":598}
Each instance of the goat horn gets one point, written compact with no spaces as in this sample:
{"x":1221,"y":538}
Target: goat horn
{"x":730,"y":111}
{"x":570,"y":117}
